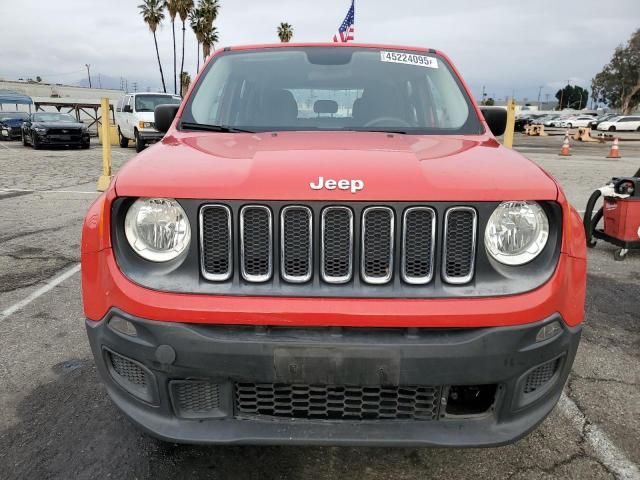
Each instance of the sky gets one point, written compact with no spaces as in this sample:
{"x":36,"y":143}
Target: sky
{"x":507,"y":46}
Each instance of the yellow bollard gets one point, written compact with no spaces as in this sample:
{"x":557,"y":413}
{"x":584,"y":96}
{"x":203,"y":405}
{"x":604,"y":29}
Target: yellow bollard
{"x":105,"y":178}
{"x":511,"y":123}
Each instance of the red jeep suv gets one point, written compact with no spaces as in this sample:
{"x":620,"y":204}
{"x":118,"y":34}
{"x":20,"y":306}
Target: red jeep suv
{"x":329,"y":246}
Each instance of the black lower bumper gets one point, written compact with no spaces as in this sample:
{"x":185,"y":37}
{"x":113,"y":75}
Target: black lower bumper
{"x":150,"y":136}
{"x":187,"y":383}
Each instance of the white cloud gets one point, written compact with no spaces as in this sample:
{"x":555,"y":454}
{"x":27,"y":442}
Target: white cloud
{"x":502,"y":44}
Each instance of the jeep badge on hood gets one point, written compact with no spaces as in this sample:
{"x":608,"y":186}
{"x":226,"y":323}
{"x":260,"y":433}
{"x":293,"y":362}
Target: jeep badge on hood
{"x":354,"y":185}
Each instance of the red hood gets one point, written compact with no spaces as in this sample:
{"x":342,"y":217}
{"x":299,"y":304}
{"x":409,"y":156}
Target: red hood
{"x":280,"y":166}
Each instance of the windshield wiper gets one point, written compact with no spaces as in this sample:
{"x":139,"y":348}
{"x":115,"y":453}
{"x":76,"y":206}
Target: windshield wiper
{"x":213,"y":128}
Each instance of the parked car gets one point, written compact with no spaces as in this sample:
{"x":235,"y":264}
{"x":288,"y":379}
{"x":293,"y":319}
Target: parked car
{"x":549,"y":121}
{"x":577,"y":121}
{"x":626,"y":123}
{"x":134,"y":117}
{"x":54,"y":129}
{"x":559,"y":121}
{"x":11,"y":125}
{"x":330,"y":247}
{"x":602,"y":118}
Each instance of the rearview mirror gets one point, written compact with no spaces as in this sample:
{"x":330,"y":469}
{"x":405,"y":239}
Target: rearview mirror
{"x":164,"y":115}
{"x":127,"y":109}
{"x":496,"y":118}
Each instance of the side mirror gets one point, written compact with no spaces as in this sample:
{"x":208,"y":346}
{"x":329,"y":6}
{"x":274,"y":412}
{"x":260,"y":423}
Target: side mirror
{"x":164,"y":115}
{"x":127,"y":109}
{"x":496,"y":118}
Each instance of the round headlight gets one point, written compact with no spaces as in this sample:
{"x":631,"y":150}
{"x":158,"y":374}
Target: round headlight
{"x":157,"y":229}
{"x":516,"y":232}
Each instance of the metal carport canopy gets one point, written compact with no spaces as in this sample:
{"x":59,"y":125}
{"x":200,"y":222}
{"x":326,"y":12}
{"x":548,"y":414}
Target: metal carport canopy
{"x":7,"y":96}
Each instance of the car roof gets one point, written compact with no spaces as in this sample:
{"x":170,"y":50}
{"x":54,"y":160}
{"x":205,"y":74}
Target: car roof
{"x":265,"y":46}
{"x":137,"y":94}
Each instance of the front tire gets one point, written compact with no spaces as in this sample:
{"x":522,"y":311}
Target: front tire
{"x":612,"y":128}
{"x":569,"y":125}
{"x":140,"y":144}
{"x":124,"y":141}
{"x":34,"y":143}
{"x":24,"y":140}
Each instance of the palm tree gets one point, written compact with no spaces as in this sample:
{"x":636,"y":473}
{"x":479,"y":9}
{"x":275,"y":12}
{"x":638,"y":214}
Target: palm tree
{"x":209,"y":39}
{"x":197,"y":20}
{"x":185,"y":81}
{"x":172,"y":8}
{"x":184,"y":9}
{"x":285,"y":32}
{"x":152,"y":13}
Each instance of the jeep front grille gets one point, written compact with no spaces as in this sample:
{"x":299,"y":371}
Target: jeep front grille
{"x":338,"y":402}
{"x":374,"y":245}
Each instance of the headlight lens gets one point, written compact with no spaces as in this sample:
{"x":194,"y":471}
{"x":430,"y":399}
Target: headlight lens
{"x":157,"y":229}
{"x":516,"y":232}
{"x":142,"y":124}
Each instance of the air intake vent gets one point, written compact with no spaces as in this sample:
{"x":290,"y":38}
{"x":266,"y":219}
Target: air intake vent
{"x":541,"y":375}
{"x":296,"y":240}
{"x":336,"y":262}
{"x":131,"y":376}
{"x":459,"y":244}
{"x":215,"y":242}
{"x":195,"y":399}
{"x":418,"y":244}
{"x":335,"y":402}
{"x":377,"y":244}
{"x":256,"y":243}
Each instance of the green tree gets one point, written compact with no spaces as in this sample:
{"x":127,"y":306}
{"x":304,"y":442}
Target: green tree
{"x":197,"y":21}
{"x":210,"y":10}
{"x":184,"y":10}
{"x":185,"y":81}
{"x":574,"y":97}
{"x":285,"y":32}
{"x":172,"y":8}
{"x":489,"y":102}
{"x":209,"y":39}
{"x":152,"y":14}
{"x":618,"y":84}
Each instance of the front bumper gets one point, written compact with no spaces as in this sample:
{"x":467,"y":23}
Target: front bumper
{"x":63,"y":140}
{"x":150,"y":135}
{"x":170,"y":353}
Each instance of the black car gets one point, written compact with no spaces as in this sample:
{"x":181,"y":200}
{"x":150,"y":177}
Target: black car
{"x":54,"y":129}
{"x":602,"y":118}
{"x":11,"y":124}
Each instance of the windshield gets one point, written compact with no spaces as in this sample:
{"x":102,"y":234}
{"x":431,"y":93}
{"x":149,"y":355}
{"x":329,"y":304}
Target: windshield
{"x":54,"y":117}
{"x":148,"y":103}
{"x":13,"y":115}
{"x":319,"y":88}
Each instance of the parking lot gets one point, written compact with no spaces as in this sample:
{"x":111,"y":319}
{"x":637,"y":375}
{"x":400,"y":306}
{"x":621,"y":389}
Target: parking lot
{"x":56,"y":419}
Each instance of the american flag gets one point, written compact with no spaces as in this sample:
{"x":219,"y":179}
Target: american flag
{"x":347,"y":29}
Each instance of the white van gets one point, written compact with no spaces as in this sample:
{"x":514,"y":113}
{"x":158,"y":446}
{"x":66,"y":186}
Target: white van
{"x":134,"y":117}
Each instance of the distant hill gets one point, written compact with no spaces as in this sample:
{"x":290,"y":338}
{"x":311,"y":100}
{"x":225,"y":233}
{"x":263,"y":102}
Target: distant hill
{"x":130,"y":84}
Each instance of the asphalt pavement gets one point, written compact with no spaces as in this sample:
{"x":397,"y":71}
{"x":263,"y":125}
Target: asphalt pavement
{"x":56,"y":420}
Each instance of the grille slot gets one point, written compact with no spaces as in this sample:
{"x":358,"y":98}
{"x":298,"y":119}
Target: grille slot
{"x":215,"y":242}
{"x":256,"y":243}
{"x":296,"y":244}
{"x":377,"y":245}
{"x":541,"y":375}
{"x":195,"y":399}
{"x":338,"y":402}
{"x":418,"y":245}
{"x":336,"y":258}
{"x":459,"y":244}
{"x":131,"y":376}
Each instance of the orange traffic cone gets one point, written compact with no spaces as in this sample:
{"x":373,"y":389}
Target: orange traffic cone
{"x":564,"y":152}
{"x":614,"y":152}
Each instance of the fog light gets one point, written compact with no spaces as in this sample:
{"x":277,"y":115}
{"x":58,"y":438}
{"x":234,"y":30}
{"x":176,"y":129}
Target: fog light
{"x":549,"y":330}
{"x":123,"y":326}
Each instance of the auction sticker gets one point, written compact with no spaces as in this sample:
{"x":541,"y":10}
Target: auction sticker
{"x":408,"y":59}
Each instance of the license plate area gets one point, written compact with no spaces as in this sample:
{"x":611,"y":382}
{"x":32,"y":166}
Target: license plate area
{"x":336,"y":366}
